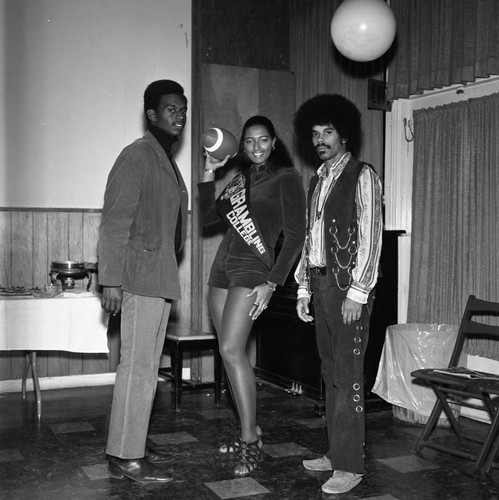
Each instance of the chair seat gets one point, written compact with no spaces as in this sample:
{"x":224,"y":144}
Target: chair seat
{"x":187,"y":338}
{"x":436,"y":376}
{"x":185,"y":334}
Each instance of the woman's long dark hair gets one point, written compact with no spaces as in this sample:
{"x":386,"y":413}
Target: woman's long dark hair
{"x":279,"y":157}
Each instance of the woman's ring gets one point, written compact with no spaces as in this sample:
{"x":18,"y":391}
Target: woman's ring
{"x":255,"y":304}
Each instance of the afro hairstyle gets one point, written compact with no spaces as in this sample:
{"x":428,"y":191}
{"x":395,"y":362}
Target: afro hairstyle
{"x":328,"y":109}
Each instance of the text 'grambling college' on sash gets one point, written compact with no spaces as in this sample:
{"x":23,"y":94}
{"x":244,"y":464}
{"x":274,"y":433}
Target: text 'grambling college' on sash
{"x":234,"y":205}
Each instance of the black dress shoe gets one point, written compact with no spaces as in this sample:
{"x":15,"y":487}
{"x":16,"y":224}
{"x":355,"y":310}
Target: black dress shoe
{"x":138,"y":469}
{"x":156,"y":457}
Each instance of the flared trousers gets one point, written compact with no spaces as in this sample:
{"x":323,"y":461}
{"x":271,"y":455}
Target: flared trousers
{"x":341,"y":350}
{"x":143,"y":329}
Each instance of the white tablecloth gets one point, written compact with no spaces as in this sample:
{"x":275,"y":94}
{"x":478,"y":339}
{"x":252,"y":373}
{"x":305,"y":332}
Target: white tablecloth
{"x":73,"y":322}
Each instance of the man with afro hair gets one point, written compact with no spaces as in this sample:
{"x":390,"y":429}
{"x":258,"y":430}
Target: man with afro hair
{"x":339,"y":266}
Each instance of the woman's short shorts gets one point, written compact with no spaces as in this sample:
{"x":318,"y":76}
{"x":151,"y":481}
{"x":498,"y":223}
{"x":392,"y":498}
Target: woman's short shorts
{"x":244,"y":269}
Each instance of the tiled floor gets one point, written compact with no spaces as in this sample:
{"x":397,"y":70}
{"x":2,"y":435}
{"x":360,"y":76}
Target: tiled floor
{"x":62,"y":457}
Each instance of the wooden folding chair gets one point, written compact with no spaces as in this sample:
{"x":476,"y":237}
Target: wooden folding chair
{"x":457,"y":384}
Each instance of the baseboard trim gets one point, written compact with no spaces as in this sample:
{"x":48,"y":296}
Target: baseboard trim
{"x":60,"y":382}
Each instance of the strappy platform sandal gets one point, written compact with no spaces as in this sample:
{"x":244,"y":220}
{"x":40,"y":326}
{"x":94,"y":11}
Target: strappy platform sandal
{"x":231,"y":447}
{"x":235,"y":445}
{"x":249,"y":456}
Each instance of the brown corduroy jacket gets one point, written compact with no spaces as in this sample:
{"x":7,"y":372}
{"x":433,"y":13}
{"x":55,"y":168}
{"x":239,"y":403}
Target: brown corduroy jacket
{"x":143,"y":197}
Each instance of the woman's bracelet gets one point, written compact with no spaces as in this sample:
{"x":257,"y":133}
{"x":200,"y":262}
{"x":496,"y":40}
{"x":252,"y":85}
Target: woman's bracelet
{"x":271,"y":285}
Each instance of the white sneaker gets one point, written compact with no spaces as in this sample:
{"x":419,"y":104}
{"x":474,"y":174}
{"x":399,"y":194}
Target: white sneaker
{"x":318,"y":464}
{"x":341,"y":482}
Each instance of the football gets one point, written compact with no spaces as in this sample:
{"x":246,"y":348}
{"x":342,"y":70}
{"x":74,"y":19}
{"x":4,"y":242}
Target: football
{"x":219,"y":143}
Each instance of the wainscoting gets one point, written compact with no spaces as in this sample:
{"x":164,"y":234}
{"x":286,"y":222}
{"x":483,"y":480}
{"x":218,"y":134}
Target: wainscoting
{"x":30,"y":239}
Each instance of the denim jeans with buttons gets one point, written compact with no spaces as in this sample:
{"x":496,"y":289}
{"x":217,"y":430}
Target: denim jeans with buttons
{"x":341,"y":349}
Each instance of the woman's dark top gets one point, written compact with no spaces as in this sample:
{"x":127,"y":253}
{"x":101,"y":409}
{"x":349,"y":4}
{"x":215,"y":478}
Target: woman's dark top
{"x":277,"y":204}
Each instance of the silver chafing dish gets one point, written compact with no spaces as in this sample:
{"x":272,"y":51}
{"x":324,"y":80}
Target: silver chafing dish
{"x":69,"y":271}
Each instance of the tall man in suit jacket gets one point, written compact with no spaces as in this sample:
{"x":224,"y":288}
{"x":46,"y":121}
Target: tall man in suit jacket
{"x":339,"y":266}
{"x":142,"y":230}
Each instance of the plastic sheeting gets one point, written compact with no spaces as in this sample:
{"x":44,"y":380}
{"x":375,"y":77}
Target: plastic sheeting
{"x":409,"y":347}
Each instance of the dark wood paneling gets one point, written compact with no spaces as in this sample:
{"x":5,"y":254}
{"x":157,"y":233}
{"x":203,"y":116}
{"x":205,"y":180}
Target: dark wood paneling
{"x":5,"y":246}
{"x":30,"y":240}
{"x":252,"y":33}
{"x":91,"y":223}
{"x":232,"y":94}
{"x":41,"y":263}
{"x":22,"y":241}
{"x":277,"y":95}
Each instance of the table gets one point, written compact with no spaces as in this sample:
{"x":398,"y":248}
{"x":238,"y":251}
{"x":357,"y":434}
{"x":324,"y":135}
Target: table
{"x":71,"y":321}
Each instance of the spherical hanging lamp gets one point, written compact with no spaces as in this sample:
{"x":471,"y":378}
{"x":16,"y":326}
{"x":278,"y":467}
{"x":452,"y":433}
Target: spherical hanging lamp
{"x":363,"y":30}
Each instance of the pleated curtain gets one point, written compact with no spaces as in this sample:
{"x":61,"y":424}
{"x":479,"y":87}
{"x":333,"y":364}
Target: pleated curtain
{"x":442,"y":42}
{"x":455,"y":228}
